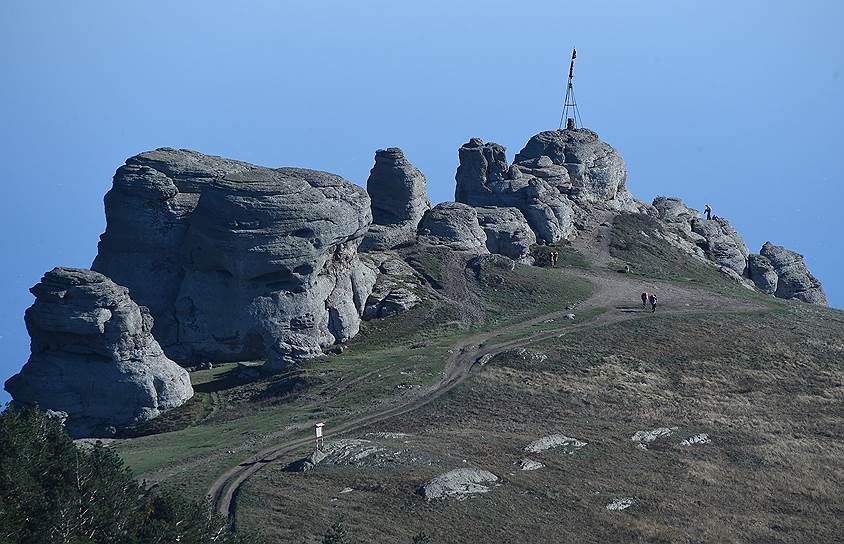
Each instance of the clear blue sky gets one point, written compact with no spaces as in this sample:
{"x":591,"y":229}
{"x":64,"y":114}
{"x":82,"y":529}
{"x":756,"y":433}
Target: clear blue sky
{"x":738,"y":104}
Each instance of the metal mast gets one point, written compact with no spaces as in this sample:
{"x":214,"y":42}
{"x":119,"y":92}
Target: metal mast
{"x":571,"y":115}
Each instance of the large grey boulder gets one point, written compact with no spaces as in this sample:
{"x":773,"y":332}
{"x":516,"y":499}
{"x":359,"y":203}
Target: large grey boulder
{"x":399,"y":194}
{"x":672,"y":210}
{"x":721,"y":243}
{"x":507,"y":232}
{"x":237,"y":261}
{"x":794,"y":281}
{"x":458,"y":483}
{"x":537,"y":188}
{"x":93,"y":356}
{"x":454,"y":225}
{"x":596,"y":170}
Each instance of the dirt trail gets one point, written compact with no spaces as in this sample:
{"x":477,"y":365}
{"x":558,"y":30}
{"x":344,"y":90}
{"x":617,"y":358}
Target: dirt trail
{"x":618,"y":293}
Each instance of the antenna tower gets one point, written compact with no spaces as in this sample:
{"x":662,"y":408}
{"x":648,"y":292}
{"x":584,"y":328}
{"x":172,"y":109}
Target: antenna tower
{"x":571,"y":115}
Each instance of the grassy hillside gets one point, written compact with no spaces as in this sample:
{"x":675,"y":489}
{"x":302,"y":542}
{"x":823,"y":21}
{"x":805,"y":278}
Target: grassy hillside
{"x":390,"y":360}
{"x":760,"y":377}
{"x":766,"y":386}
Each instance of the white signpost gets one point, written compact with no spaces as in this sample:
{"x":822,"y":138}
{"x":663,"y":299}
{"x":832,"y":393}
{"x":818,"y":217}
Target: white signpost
{"x":318,"y":431}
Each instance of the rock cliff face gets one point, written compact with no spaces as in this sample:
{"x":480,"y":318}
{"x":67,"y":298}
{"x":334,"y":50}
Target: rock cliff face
{"x":783,"y":273}
{"x":454,"y":225}
{"x":93,"y":356}
{"x":237,"y":261}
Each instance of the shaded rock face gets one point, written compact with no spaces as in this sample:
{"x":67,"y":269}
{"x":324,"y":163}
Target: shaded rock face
{"x":507,"y":232}
{"x":395,"y":289}
{"x":93,"y":356}
{"x":784,"y":273}
{"x":454,"y":225}
{"x":761,"y":271}
{"x":237,"y":261}
{"x":399,"y":194}
{"x":596,"y":170}
{"x":536,"y":189}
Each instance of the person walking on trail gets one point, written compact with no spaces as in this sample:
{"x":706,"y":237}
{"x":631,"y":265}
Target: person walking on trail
{"x":708,"y":211}
{"x":652,"y":300}
{"x":644,"y":300}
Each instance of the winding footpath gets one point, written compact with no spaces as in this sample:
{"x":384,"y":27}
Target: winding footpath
{"x":617,"y":293}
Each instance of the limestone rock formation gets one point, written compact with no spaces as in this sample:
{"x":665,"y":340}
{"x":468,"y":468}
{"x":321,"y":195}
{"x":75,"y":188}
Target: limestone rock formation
{"x":93,"y":356}
{"x":537,"y":189}
{"x":784,"y":273}
{"x":237,"y":261}
{"x":454,"y":225}
{"x":721,"y":243}
{"x":596,"y":170}
{"x":399,"y":194}
{"x":507,"y":232}
{"x":714,"y":239}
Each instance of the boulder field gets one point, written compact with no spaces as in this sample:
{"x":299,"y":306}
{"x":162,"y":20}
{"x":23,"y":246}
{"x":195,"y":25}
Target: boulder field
{"x":234,"y":261}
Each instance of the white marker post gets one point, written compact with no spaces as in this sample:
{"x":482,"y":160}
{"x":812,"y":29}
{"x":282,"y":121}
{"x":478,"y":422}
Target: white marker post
{"x":319,"y":440}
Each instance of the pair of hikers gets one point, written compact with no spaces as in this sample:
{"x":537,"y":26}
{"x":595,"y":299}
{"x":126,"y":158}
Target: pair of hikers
{"x":649,"y":299}
{"x":553,"y":257}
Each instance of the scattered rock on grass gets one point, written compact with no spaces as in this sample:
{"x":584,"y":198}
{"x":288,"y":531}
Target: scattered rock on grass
{"x":697,"y":439}
{"x":621,"y":504}
{"x":646,"y":437}
{"x":529,"y":464}
{"x":570,"y":445}
{"x":459,"y":483}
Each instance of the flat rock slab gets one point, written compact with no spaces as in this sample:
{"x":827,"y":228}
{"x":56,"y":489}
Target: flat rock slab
{"x":458,"y":483}
{"x":621,"y":504}
{"x":568,"y":444}
{"x":529,"y":464}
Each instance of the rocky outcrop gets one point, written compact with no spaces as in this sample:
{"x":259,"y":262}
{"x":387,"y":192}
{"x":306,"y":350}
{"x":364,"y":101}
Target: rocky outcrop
{"x":396,"y":288}
{"x":536,"y":189}
{"x":507,"y":232}
{"x":783,"y":273}
{"x":721,"y":243}
{"x":596,"y":171}
{"x":237,"y":261}
{"x":93,"y":356}
{"x":459,"y":482}
{"x":454,"y":225}
{"x":399,"y":194}
{"x":711,"y":239}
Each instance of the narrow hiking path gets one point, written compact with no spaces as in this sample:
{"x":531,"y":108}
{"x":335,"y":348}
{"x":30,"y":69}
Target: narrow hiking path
{"x":617,"y":293}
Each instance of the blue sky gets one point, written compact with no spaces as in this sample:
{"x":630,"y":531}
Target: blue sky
{"x":738,"y":104}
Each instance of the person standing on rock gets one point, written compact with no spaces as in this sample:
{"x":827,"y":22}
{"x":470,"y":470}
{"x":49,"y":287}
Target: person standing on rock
{"x":652,"y":300}
{"x":708,"y":211}
{"x":644,"y":300}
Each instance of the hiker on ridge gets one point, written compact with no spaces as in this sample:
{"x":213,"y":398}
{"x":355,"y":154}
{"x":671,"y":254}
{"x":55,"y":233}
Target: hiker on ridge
{"x":652,"y":300}
{"x":708,"y":211}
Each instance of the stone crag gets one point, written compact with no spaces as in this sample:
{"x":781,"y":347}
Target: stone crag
{"x":236,"y":261}
{"x":93,"y":356}
{"x":399,"y":194}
